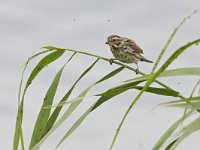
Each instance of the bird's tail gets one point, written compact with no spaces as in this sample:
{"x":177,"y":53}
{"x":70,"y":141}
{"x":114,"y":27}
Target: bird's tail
{"x":145,"y":60}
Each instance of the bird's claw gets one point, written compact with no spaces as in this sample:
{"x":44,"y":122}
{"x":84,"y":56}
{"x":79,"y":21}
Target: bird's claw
{"x":111,"y":61}
{"x":137,"y":71}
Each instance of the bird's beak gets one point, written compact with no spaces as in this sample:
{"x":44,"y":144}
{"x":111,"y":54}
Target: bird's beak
{"x":106,"y":43}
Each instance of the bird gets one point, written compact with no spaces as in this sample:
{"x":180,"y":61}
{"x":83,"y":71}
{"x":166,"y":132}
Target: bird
{"x":125,"y":50}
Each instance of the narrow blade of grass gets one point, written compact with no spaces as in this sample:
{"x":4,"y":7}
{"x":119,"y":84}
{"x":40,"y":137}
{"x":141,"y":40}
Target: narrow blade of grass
{"x":159,"y":91}
{"x":51,"y":126}
{"x":111,"y":74}
{"x":170,"y":39}
{"x":83,"y":117}
{"x":169,"y":132}
{"x":43,"y":115}
{"x":155,"y":90}
{"x":123,"y":88}
{"x":171,"y":144}
{"x":44,"y":62}
{"x":56,"y":112}
{"x":67,"y":113}
{"x":188,"y":130}
{"x":171,"y":73}
{"x":74,"y":104}
{"x":180,"y":101}
{"x":75,"y":125}
{"x":195,"y":105}
{"x":113,"y":92}
{"x":119,"y":89}
{"x":171,"y":59}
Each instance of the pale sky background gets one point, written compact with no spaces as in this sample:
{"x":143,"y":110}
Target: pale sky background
{"x":25,"y":26}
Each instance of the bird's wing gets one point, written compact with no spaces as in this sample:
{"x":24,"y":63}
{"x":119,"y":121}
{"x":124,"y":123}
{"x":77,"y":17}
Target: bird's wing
{"x":131,"y":46}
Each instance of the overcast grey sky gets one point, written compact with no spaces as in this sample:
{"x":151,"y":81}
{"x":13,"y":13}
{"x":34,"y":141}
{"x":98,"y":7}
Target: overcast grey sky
{"x":25,"y":26}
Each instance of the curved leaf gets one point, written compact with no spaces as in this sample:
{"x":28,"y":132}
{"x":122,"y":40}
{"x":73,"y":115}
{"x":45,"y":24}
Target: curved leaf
{"x":114,"y":92}
{"x":111,"y":74}
{"x":182,"y":101}
{"x":169,"y":132}
{"x":67,"y":113}
{"x":75,"y":125}
{"x":80,"y":120}
{"x":171,"y":144}
{"x":170,"y":73}
{"x":56,"y":112}
{"x":170,"y":39}
{"x":44,"y":113}
{"x":51,"y":127}
{"x":44,"y":62}
{"x":159,"y":91}
{"x":188,"y":130}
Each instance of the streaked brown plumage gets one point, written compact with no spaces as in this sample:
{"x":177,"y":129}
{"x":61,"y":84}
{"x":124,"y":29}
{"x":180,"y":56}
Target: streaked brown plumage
{"x":125,"y":50}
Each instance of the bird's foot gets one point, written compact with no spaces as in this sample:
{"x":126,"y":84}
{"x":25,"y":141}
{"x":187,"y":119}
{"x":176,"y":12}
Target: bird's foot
{"x":111,"y":61}
{"x":137,"y":71}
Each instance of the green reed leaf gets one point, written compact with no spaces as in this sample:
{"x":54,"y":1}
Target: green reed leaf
{"x":170,"y":73}
{"x":182,"y":101}
{"x":67,"y":113}
{"x":111,"y":74}
{"x":43,"y":115}
{"x":83,"y":117}
{"x":187,"y":131}
{"x":76,"y":125}
{"x":52,"y":126}
{"x":171,"y":144}
{"x":56,"y":112}
{"x":114,"y":92}
{"x":44,"y":62}
{"x":170,"y":39}
{"x":170,"y":131}
{"x":159,"y":91}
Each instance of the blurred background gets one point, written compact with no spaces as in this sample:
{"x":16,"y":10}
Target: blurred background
{"x":26,"y":26}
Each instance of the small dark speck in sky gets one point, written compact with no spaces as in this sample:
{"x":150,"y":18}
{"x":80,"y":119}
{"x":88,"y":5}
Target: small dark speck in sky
{"x":108,"y":20}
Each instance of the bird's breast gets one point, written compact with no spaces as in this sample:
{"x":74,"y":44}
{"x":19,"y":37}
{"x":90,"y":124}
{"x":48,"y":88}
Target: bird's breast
{"x":122,"y":56}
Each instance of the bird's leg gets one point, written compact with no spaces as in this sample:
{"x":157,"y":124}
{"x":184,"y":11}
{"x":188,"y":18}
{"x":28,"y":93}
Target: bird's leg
{"x":111,"y":60}
{"x":137,"y":69}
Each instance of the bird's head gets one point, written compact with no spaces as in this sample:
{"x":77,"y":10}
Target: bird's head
{"x":113,"y":39}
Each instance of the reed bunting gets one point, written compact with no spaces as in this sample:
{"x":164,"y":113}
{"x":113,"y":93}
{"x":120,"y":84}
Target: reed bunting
{"x":125,"y":50}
